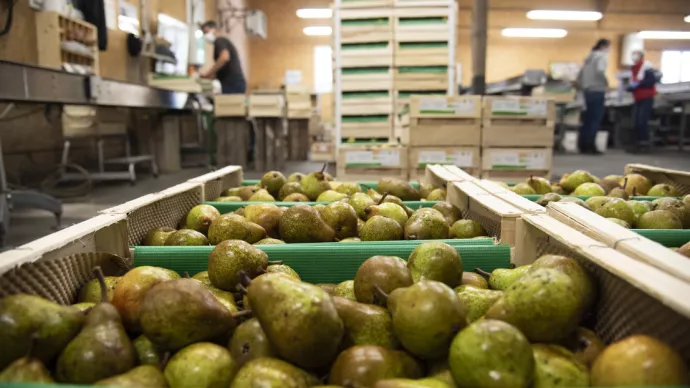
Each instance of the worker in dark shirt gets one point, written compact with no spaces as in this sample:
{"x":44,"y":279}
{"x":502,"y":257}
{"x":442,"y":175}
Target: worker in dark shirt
{"x":227,"y":67}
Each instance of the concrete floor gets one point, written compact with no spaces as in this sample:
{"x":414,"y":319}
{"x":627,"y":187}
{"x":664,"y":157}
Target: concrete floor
{"x":30,"y":225}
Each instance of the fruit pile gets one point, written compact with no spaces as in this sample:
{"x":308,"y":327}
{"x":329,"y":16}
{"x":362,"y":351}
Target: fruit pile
{"x":370,"y":216}
{"x":247,"y":322}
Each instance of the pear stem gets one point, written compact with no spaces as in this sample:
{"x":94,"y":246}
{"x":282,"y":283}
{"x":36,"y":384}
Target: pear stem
{"x":634,"y":192}
{"x":482,"y":272}
{"x":241,"y":289}
{"x":242,"y":314}
{"x":245,"y":280}
{"x":625,"y":183}
{"x":323,"y":169}
{"x":165,"y":360}
{"x":101,"y":281}
{"x":382,"y":198}
{"x":186,"y":275}
{"x":32,"y":345}
{"x":276,"y":262}
{"x":261,"y":271}
{"x":380,"y":294}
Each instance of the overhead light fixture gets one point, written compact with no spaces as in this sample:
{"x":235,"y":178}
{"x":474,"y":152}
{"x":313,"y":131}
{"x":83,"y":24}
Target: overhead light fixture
{"x":315,"y":13}
{"x":534,"y":32}
{"x":318,"y":31}
{"x":541,"y":14}
{"x":665,"y":35}
{"x":687,"y":19}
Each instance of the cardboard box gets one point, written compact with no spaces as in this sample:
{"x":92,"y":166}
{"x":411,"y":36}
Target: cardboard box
{"x":367,"y":127}
{"x":322,"y":152}
{"x":299,"y":106}
{"x":516,"y":164}
{"x":510,"y":121}
{"x":443,"y":121}
{"x":371,"y":162}
{"x":266,"y":105}
{"x":466,"y":158}
{"x":230,"y":105}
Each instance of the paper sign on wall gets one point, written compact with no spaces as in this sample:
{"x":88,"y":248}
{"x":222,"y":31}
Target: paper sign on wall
{"x":293,"y":77}
{"x":110,"y":14}
{"x":519,"y":160}
{"x":447,"y":157}
{"x":372,"y":158}
{"x":515,"y":107}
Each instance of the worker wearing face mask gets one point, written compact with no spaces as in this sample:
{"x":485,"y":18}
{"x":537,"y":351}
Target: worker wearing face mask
{"x":643,"y":87}
{"x":227,"y":68}
{"x":592,"y":82}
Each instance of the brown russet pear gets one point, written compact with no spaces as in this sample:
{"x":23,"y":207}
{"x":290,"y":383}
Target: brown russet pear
{"x":303,"y":224}
{"x":398,"y":188}
{"x":235,"y":227}
{"x":363,"y":366}
{"x":384,"y":272}
{"x":266,"y":215}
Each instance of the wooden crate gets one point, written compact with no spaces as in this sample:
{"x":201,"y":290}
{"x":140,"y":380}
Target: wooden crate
{"x":424,"y":24}
{"x":367,"y":127}
{"x":366,"y":79}
{"x":230,"y":105}
{"x":361,"y":163}
{"x":266,"y":105}
{"x":511,"y":121}
{"x":371,"y":103}
{"x":516,"y":164}
{"x":466,"y":158}
{"x":423,"y":3}
{"x":632,"y":297}
{"x":621,"y":239}
{"x":299,"y":106}
{"x":558,"y":95}
{"x":676,"y":178}
{"x":53,"y":29}
{"x":443,"y":121}
{"x":442,"y":175}
{"x":377,"y":54}
{"x":322,"y":152}
{"x":421,"y":78}
{"x":507,"y":195}
{"x":496,"y":216}
{"x":347,"y":4}
{"x":421,"y":54}
{"x":232,"y":141}
{"x":298,"y":139}
{"x":176,"y":83}
{"x":366,"y":25}
{"x":215,"y":183}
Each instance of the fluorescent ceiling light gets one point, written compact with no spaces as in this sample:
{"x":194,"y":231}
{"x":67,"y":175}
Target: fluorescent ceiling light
{"x":670,"y":35}
{"x":318,"y":31}
{"x":687,"y":19}
{"x":534,"y":32}
{"x":541,"y":14}
{"x":315,"y":13}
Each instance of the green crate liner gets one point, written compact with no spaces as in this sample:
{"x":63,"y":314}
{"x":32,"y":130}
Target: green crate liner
{"x":409,"y":93}
{"x":347,"y":95}
{"x":365,"y":22}
{"x":422,"y":21}
{"x":321,"y":263}
{"x":363,"y":46}
{"x":373,"y":184}
{"x":365,"y":119}
{"x":365,"y":70}
{"x":227,"y":207}
{"x":670,"y":238}
{"x":422,"y":45}
{"x":423,"y":69}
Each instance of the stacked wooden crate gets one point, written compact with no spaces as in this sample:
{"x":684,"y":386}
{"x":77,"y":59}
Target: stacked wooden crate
{"x":517,"y":137}
{"x":299,"y":113}
{"x":366,"y":162}
{"x":443,"y":130}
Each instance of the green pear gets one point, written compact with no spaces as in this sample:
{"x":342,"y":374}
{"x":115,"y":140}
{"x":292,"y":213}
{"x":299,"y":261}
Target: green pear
{"x":639,"y":208}
{"x":351,"y":239}
{"x":203,"y":365}
{"x":141,"y":376}
{"x":201,"y":217}
{"x":157,"y":236}
{"x":539,"y":185}
{"x":229,"y":258}
{"x":84,"y":307}
{"x":596,"y":202}
{"x":555,"y":366}
{"x":379,"y":228}
{"x":186,"y":237}
{"x":523,"y":189}
{"x":589,"y":190}
{"x":558,"y":189}
{"x":360,"y":202}
{"x":451,"y":213}
{"x":614,"y":178}
{"x":437,"y":195}
{"x":231,"y":192}
{"x":349,"y":188}
{"x":636,"y":184}
{"x":289,"y":189}
{"x":249,"y":342}
{"x":502,"y":278}
{"x":296,"y":197}
{"x":675,"y":206}
{"x":342,"y":218}
{"x":273,"y":181}
{"x":474,"y":280}
{"x":426,"y":188}
{"x":262,"y":195}
{"x":315,"y":183}
{"x":345,"y":290}
{"x":91,"y":292}
{"x":147,"y":353}
{"x":388,"y":210}
{"x":365,"y":324}
{"x":477,"y":300}
{"x":270,"y":241}
{"x":27,"y":369}
{"x":304,"y":224}
{"x":409,"y":383}
{"x":659,"y":219}
{"x":234,"y":227}
{"x":295,"y":177}
{"x":386,"y":273}
{"x":330,"y":196}
{"x":436,"y":261}
{"x":398,"y":188}
{"x":548,"y":198}
{"x":233,"y":198}
{"x":284,"y":269}
{"x":463,"y":229}
{"x":571,"y":181}
{"x":427,"y":224}
{"x":617,"y":208}
{"x":272,"y":372}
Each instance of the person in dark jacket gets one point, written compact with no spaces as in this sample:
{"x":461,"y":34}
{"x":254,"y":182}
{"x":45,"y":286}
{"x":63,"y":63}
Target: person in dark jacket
{"x":643,"y":87}
{"x":593,"y":83}
{"x":227,"y":68}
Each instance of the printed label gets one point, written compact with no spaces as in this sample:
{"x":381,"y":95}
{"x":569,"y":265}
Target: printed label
{"x":510,"y":107}
{"x":519,"y":160}
{"x":448,"y":157}
{"x":372,"y":158}
{"x":444,"y":106}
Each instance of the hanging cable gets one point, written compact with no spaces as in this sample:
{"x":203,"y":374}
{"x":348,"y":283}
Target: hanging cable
{"x":10,"y":16}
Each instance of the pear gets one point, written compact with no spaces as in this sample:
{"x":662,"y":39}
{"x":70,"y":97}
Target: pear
{"x":398,"y":188}
{"x":229,"y":258}
{"x":374,"y":195}
{"x":614,"y":178}
{"x":620,"y":223}
{"x":299,"y":319}
{"x":585,"y":345}
{"x":639,"y":208}
{"x":463,"y":229}
{"x":157,"y":236}
{"x":585,"y":285}
{"x":330,"y":196}
{"x":437,"y":195}
{"x":233,"y":198}
{"x":131,"y":290}
{"x":231,"y":192}
{"x":84,"y":307}
{"x":675,"y":206}
{"x":186,"y":237}
{"x":388,"y":210}
{"x":351,"y":239}
{"x":363,"y":366}
{"x":349,"y":188}
{"x":451,"y":213}
{"x":384,"y":272}
{"x":427,"y":224}
{"x":595,"y":203}
{"x":266,"y":215}
{"x":617,"y":208}
{"x":141,"y":376}
{"x":409,"y":383}
{"x":272,"y":372}
{"x":203,"y":278}
{"x":303,"y":224}
{"x":477,"y":300}
{"x":427,"y":317}
{"x":247,"y":192}
{"x":556,"y":366}
{"x":539,"y":185}
{"x":202,"y":365}
{"x":379,"y":228}
{"x":474,"y":280}
{"x":575,"y":200}
{"x":439,"y":370}
{"x":270,"y":241}
{"x":589,"y":190}
{"x":436,"y":261}
{"x":491,"y":353}
{"x":289,"y":189}
{"x":315,"y":183}
{"x":181,"y":312}
{"x":262,"y":195}
{"x":608,"y":185}
{"x":342,"y":218}
{"x":523,"y":189}
{"x":321,"y":209}
{"x":249,"y":342}
{"x":283,"y":269}
{"x":295,"y":177}
{"x":619,"y":192}
{"x":147,"y":353}
{"x":570,"y":182}
{"x":639,"y":360}
{"x":273,"y":181}
{"x":329,"y":288}
{"x":365,"y":324}
{"x":91,"y":292}
{"x":558,"y":189}
{"x":548,"y":198}
{"x":27,"y":369}
{"x":546,"y":305}
{"x":102,"y":348}
{"x":502,"y":278}
{"x":235,"y":227}
{"x":345,"y":290}
{"x":296,"y":197}
{"x":201,"y":217}
{"x":426,"y":188}
{"x":360,"y":202}
{"x":659,"y":219}
{"x":637,"y":184}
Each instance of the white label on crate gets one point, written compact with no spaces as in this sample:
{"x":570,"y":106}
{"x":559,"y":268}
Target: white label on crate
{"x":515,"y":107}
{"x":524,"y":160}
{"x":386,"y":158}
{"x":443,"y":106}
{"x":453,"y":157}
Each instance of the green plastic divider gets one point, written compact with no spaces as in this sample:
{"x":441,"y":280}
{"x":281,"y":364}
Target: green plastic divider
{"x":373,"y":184}
{"x":408,"y":93}
{"x":365,"y":22}
{"x":649,"y":199}
{"x":422,"y":21}
{"x":365,"y":119}
{"x":670,"y":238}
{"x":422,"y":45}
{"x":365,"y":70}
{"x":363,"y":46}
{"x":365,"y":142}
{"x":423,"y":69}
{"x":227,"y":207}
{"x":347,"y":95}
{"x":321,"y":263}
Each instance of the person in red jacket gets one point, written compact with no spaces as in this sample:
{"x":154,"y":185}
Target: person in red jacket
{"x":643,"y":87}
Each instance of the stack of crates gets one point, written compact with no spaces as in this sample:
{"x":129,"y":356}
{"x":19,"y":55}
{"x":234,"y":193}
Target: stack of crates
{"x":517,"y":137}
